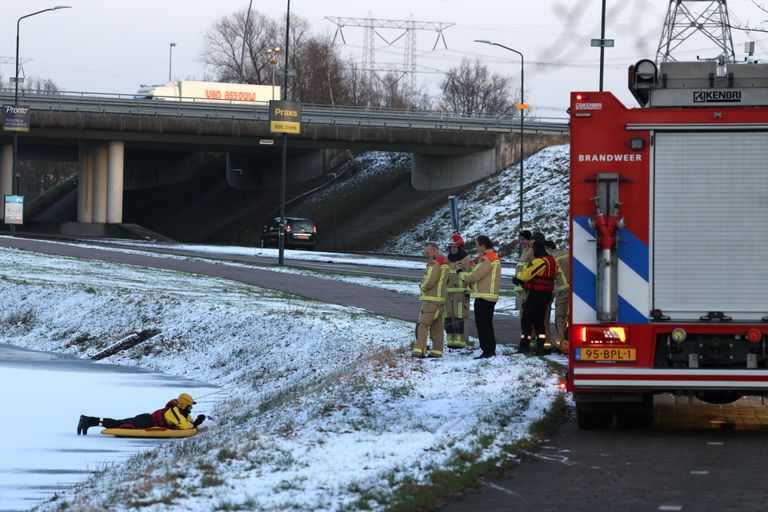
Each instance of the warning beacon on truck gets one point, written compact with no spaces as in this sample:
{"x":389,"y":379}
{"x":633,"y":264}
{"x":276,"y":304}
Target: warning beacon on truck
{"x":668,"y":211}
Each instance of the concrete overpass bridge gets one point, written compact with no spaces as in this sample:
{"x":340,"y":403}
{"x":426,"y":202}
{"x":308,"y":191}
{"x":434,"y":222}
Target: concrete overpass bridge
{"x":97,"y":131}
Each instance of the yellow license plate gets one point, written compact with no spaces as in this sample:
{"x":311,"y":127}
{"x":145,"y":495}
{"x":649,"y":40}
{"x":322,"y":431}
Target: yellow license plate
{"x":301,"y":236}
{"x":605,"y":354}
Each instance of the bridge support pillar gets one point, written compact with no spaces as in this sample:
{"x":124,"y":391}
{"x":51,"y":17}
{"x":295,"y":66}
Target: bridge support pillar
{"x":85,"y":184}
{"x":115,"y":167}
{"x":100,"y":164}
{"x":435,"y":172}
{"x":6,"y":174}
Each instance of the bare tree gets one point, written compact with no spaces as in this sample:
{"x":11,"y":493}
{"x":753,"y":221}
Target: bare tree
{"x":33,"y":85}
{"x":471,"y":89}
{"x":746,"y":27}
{"x":320,"y":75}
{"x":235,"y":48}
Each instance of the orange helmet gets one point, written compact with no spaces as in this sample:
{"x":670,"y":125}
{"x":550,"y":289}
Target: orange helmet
{"x":456,"y":240}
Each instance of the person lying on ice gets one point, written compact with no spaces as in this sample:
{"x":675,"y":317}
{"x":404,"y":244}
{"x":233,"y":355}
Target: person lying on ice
{"x":175,"y":415}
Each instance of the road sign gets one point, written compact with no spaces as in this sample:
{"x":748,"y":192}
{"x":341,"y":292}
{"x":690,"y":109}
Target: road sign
{"x":14,"y":209}
{"x":15,"y":118}
{"x":608,"y":43}
{"x":285,"y":117}
{"x":522,"y":106}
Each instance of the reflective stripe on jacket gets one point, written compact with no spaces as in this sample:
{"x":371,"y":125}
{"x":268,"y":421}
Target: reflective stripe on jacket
{"x":177,"y":419}
{"x":540,"y":275}
{"x":526,"y":257}
{"x":563,"y":281}
{"x":455,"y":283}
{"x":432,"y":286}
{"x":485,"y":277}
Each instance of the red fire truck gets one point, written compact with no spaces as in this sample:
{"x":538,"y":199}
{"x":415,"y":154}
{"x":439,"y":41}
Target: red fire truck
{"x":669,"y":245}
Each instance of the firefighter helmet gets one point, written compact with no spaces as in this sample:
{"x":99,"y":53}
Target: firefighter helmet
{"x":456,"y":240}
{"x":185,"y":400}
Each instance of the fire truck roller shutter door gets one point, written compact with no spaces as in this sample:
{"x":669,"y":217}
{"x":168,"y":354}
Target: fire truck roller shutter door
{"x":709,"y":208}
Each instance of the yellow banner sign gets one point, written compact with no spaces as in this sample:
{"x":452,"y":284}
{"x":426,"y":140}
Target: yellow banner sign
{"x":284,"y":127}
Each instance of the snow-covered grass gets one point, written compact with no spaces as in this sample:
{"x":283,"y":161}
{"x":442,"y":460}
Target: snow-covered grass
{"x":320,"y":408}
{"x":492,"y":207}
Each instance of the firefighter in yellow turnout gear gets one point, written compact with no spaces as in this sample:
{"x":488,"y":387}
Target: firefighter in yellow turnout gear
{"x":432,"y":297}
{"x":525,"y":238}
{"x":457,"y":296}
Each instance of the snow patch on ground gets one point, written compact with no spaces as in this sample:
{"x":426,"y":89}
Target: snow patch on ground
{"x":492,"y":207}
{"x":319,"y":408}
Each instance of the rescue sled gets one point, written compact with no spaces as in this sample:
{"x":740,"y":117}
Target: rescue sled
{"x":155,"y":432}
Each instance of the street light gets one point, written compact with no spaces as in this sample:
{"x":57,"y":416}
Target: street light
{"x":170,"y":60}
{"x":522,"y":108}
{"x":16,"y":91}
{"x":273,"y":61}
{"x":284,"y":155}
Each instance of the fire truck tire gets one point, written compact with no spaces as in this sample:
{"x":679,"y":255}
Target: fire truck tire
{"x":590,"y":416}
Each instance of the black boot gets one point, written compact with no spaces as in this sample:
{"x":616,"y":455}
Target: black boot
{"x":85,"y":422}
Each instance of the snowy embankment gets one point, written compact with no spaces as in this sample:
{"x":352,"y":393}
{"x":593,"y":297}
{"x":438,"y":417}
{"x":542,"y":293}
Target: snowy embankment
{"x":492,"y":207}
{"x":320,"y":408}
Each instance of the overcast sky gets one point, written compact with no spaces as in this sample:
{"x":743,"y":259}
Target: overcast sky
{"x":116,"y":45}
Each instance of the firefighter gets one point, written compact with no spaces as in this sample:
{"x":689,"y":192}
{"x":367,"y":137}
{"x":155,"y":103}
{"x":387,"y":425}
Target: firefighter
{"x":526,"y":256}
{"x":457,"y":296}
{"x":432,"y":298}
{"x":562,"y":288}
{"x":175,"y":415}
{"x":539,"y":281}
{"x":485,"y":278}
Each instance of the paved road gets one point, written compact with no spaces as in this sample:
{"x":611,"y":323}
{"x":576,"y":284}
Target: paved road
{"x":380,"y":301}
{"x":321,"y":266}
{"x":696,"y":457}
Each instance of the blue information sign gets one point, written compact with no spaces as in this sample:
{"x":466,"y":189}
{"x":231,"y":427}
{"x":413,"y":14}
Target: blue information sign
{"x":14,"y":209}
{"x":15,"y":118}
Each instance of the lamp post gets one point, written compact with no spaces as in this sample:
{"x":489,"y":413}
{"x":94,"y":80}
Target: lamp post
{"x":284,"y":155}
{"x":602,"y":45}
{"x":522,"y":108}
{"x":16,"y":96}
{"x":170,"y":59}
{"x":273,"y":62}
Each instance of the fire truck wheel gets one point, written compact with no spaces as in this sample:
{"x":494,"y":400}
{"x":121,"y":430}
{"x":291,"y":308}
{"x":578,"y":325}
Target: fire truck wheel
{"x":590,"y":416}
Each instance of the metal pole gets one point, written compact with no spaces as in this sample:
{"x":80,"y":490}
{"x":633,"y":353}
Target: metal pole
{"x":283,"y":160}
{"x":602,"y":46}
{"x":246,"y":35}
{"x":15,"y":182}
{"x":522,"y":126}
{"x":522,"y":143}
{"x":170,"y":60}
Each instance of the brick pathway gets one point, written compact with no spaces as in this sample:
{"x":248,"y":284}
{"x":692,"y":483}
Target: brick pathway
{"x":696,"y":457}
